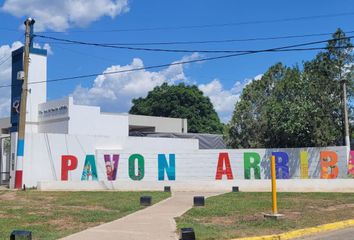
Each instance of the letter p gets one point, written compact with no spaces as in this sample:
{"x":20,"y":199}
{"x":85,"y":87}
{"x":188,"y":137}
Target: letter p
{"x":68,"y":163}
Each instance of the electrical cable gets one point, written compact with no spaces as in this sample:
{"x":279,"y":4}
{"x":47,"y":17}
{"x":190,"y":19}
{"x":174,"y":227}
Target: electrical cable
{"x":172,"y":64}
{"x":178,"y":50}
{"x":211,"y":25}
{"x":8,"y":57}
{"x":211,"y":41}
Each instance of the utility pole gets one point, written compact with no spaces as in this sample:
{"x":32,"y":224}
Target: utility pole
{"x":23,"y":104}
{"x":346,"y":124}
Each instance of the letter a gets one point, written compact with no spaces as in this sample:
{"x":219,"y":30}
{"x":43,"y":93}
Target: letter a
{"x":220,"y":171}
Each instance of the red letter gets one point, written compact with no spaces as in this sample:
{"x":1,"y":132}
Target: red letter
{"x":68,"y":163}
{"x":329,"y":160}
{"x":223,"y":157}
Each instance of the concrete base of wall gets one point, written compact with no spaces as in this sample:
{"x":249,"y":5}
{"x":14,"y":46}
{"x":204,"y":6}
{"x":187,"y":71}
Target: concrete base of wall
{"x":291,"y":185}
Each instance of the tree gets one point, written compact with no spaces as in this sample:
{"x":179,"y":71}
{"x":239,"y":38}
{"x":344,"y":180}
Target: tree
{"x":249,"y":126}
{"x":289,"y":107}
{"x":180,"y":101}
{"x":323,"y":76}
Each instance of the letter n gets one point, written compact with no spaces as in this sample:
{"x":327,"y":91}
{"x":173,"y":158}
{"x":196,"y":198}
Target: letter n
{"x":164,"y":166}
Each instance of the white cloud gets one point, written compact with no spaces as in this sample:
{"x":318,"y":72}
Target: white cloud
{"x":64,"y":14}
{"x":5,"y":77}
{"x":223,"y":100}
{"x":114,"y":92}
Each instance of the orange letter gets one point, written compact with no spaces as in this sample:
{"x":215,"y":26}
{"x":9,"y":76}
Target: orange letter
{"x":68,"y":163}
{"x":223,"y":157}
{"x":329,"y":168}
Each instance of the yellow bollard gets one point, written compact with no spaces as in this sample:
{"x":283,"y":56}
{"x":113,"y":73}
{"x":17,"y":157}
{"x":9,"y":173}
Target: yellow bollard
{"x":274,"y":214}
{"x":274,"y":186}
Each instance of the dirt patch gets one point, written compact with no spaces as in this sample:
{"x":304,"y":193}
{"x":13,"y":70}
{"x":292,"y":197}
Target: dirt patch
{"x":6,"y":216}
{"x":87,"y":207}
{"x":63,"y":223}
{"x":292,"y":215}
{"x":8,"y":196}
{"x":222,"y":220}
{"x":339,"y":207}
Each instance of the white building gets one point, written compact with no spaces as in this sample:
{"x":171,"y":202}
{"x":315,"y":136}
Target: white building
{"x":64,"y":117}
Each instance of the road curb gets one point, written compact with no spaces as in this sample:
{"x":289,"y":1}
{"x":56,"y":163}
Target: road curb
{"x":304,"y":231}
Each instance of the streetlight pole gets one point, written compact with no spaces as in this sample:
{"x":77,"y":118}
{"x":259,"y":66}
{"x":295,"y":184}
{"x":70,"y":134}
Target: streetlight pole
{"x":23,"y":105}
{"x":346,"y":124}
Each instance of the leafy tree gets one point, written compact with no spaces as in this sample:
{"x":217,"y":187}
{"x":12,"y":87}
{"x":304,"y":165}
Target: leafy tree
{"x":180,"y":101}
{"x":289,"y":107}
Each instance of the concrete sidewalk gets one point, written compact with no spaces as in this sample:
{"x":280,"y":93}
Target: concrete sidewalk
{"x":155,"y":222}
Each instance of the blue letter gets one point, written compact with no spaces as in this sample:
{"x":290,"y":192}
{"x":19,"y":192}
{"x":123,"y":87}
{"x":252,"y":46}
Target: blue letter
{"x":281,"y":163}
{"x":170,"y":170}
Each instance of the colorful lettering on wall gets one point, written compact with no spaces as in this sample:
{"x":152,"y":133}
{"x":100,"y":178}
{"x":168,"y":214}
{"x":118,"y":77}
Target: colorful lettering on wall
{"x":281,"y":164}
{"x":163,"y":167}
{"x":111,"y":166}
{"x":329,"y":168}
{"x":304,"y":165}
{"x":90,"y":169}
{"x":220,"y":170}
{"x":133,"y":159}
{"x":68,"y":163}
{"x":254,"y":164}
{"x":351,"y":164}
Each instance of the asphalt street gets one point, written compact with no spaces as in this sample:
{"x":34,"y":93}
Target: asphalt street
{"x":342,"y":234}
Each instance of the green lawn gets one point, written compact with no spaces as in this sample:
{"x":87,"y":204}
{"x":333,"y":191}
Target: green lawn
{"x":234,"y":215}
{"x":50,"y":215}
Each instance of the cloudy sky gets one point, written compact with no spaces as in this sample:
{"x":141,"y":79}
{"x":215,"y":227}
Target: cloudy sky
{"x":140,"y":23}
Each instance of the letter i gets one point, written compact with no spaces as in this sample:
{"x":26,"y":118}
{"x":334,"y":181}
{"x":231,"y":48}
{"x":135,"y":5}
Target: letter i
{"x":304,"y":165}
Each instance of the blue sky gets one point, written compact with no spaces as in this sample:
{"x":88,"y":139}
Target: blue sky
{"x":221,"y":80}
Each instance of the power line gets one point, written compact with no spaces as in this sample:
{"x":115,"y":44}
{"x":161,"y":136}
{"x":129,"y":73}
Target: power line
{"x":211,"y":41}
{"x":211,"y":25}
{"x":175,"y":63}
{"x":8,"y":57}
{"x":86,"y":54}
{"x":178,"y":50}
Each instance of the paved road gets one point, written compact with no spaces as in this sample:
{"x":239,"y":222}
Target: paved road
{"x":152,"y":223}
{"x":343,"y":234}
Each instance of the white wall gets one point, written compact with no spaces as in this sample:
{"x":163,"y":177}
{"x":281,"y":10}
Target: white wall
{"x":53,"y":116}
{"x":43,"y":153}
{"x":13,"y":158}
{"x":37,"y":92}
{"x":63,"y":116}
{"x":290,"y":185}
{"x":161,"y":124}
{"x":88,"y":120}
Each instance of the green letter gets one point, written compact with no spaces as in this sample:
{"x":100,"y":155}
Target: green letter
{"x":141,"y":167}
{"x":254,"y":164}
